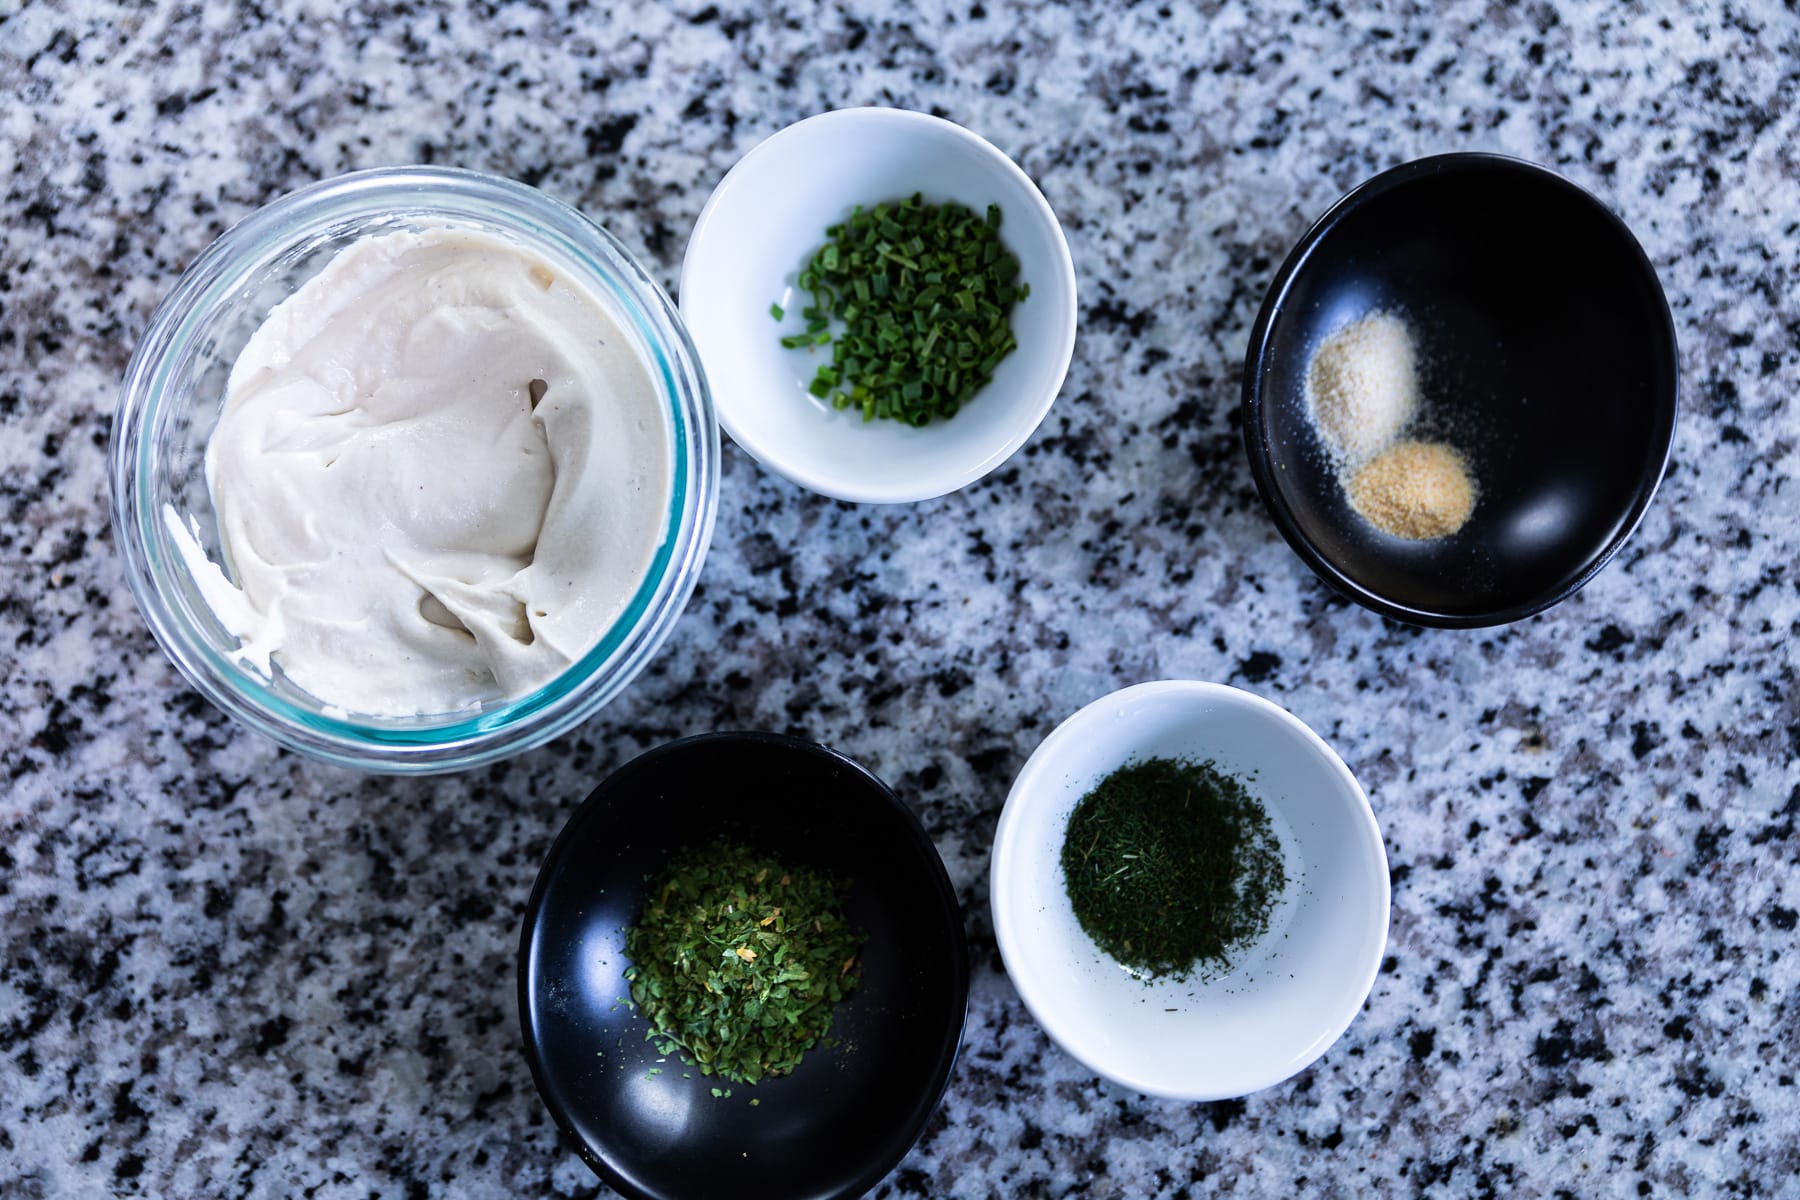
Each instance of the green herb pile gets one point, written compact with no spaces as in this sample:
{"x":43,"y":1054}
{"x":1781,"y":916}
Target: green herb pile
{"x":737,"y":961}
{"x":1171,"y":866}
{"x":925,"y":294}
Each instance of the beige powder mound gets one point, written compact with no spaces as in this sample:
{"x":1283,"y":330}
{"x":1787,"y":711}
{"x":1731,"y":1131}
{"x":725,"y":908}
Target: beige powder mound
{"x":1362,"y":385}
{"x":1416,"y":490}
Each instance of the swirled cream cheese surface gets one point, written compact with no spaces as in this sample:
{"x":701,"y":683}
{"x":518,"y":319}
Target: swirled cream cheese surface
{"x":441,"y":472}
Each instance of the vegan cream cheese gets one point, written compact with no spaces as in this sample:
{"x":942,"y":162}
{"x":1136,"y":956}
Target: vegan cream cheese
{"x":440,"y":474}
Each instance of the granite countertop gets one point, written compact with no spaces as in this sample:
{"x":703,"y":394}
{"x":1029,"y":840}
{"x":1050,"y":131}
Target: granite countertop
{"x":225,"y":970}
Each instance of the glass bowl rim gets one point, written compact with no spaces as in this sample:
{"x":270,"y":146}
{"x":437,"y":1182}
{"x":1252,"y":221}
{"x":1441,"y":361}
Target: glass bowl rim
{"x":536,"y":220}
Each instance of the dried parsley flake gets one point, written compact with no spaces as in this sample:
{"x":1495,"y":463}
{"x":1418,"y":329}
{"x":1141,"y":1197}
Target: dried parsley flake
{"x":738,"y":961}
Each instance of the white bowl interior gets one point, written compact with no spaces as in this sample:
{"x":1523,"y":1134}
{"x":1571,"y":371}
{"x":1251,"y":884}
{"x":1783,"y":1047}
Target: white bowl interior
{"x":765,"y":221}
{"x":1290,"y":995}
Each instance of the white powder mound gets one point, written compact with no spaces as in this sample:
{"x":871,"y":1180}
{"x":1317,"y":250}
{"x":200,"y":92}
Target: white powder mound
{"x":1362,"y":385}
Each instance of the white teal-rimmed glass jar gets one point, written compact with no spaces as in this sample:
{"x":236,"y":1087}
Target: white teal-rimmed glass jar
{"x":170,"y":401}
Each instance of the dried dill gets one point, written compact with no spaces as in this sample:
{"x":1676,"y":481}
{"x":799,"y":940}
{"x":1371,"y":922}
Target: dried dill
{"x":738,"y":961}
{"x":1172,"y":866}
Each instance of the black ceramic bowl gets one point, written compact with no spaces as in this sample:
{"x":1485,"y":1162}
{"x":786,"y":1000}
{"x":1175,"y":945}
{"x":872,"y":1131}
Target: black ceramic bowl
{"x":1547,"y":357}
{"x":849,"y":1112}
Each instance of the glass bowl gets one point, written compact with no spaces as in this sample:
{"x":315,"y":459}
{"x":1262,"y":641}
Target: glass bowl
{"x":174,"y":388}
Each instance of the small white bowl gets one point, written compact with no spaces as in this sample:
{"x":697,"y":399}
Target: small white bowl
{"x":759,"y":229}
{"x":1291,"y":994}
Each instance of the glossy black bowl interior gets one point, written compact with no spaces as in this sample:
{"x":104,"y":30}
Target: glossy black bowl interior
{"x":848,"y":1113}
{"x":1548,"y":358}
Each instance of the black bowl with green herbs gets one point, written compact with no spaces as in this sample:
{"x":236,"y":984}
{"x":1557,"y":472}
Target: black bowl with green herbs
{"x":800,"y":979}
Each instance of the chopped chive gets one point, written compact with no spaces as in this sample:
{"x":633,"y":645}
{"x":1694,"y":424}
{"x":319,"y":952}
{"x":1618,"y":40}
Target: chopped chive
{"x":776,"y":311}
{"x":922,"y":296}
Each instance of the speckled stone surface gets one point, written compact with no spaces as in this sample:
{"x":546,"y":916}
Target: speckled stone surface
{"x":228,"y":971}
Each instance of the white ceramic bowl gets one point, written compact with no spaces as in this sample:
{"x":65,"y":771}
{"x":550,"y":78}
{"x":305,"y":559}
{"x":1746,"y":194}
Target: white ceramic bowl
{"x":761,"y":226}
{"x":1291,"y":994}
